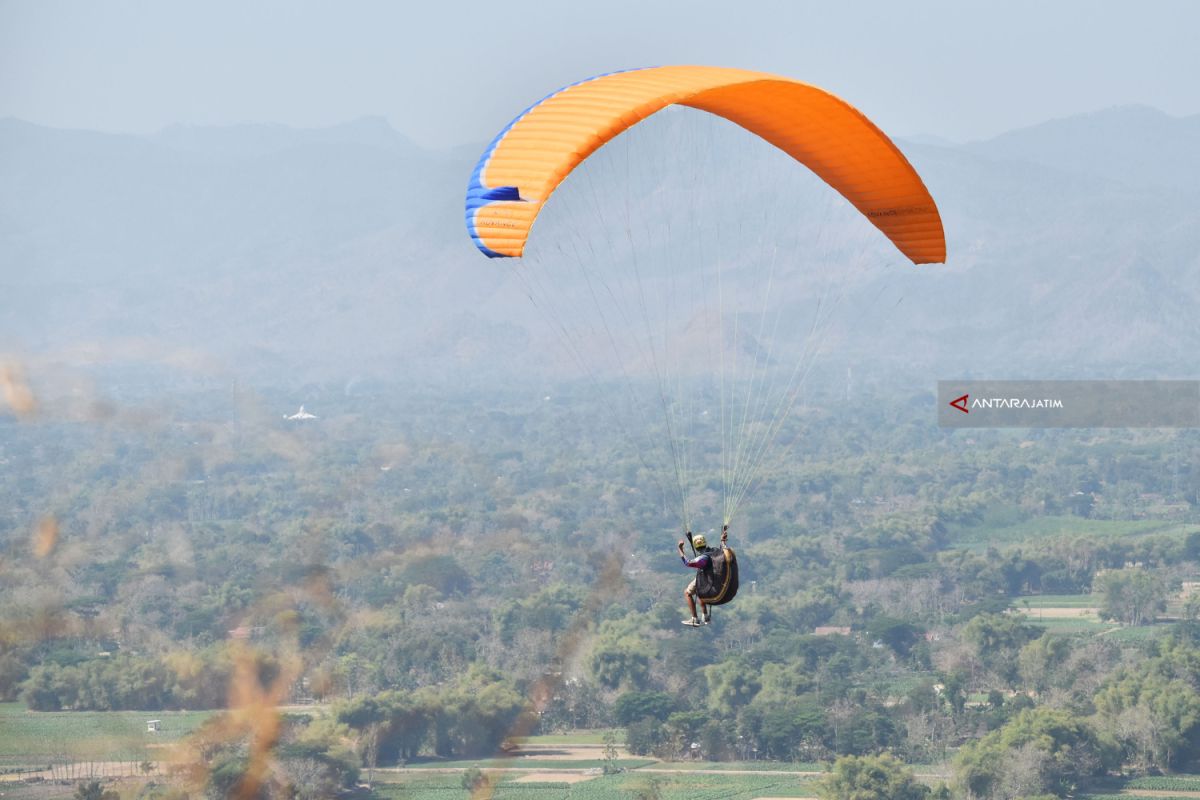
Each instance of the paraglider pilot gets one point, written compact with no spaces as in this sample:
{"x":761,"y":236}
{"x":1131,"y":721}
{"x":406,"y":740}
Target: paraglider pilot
{"x":702,"y":561}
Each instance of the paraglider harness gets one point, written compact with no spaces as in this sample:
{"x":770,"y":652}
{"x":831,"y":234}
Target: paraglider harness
{"x":718,"y":583}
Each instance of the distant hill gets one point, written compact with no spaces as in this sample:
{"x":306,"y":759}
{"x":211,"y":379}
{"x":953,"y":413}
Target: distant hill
{"x":301,"y":255}
{"x":1134,"y":145}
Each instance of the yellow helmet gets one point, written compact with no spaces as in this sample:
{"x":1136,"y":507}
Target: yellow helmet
{"x":699,"y":542}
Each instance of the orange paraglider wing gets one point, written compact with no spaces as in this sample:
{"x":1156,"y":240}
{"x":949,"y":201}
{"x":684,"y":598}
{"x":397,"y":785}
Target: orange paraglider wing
{"x":527,"y":160}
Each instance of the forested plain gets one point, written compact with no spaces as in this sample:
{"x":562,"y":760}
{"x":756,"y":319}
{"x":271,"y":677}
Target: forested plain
{"x":445,"y":573}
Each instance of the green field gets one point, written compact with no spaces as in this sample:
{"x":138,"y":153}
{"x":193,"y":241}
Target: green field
{"x":998,"y":528}
{"x":1156,"y":787}
{"x":572,"y":737}
{"x":1141,"y":633}
{"x":523,"y":762}
{"x":1035,"y":601}
{"x":1033,"y":607}
{"x":760,"y":766}
{"x":1168,"y":783}
{"x":32,"y":738}
{"x":1072,"y":625}
{"x":1085,"y":626}
{"x":614,"y":787}
{"x":670,"y":787}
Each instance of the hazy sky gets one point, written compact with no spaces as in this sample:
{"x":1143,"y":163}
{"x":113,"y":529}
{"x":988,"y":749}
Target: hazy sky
{"x":448,"y":73}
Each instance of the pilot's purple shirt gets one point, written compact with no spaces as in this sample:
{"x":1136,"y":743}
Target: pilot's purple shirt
{"x":699,"y":562}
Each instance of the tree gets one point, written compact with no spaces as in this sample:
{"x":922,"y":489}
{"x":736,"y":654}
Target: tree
{"x":550,"y":609}
{"x":472,"y":719}
{"x":610,"y":753}
{"x":1133,"y":596}
{"x":866,"y":730}
{"x":1041,"y":659}
{"x":881,"y":777}
{"x":782,"y":683}
{"x":954,"y":689}
{"x":632,"y":706}
{"x":12,"y":672}
{"x":472,"y":779}
{"x":996,"y":640}
{"x":645,"y":737}
{"x":732,"y":684}
{"x":1154,"y":710}
{"x":441,"y":572}
{"x":1039,"y":751}
{"x":392,"y":726}
{"x":44,"y":689}
{"x":716,"y":740}
{"x":620,"y":662}
{"x":370,"y":750}
{"x":897,"y":634}
{"x":1191,"y":546}
{"x":314,"y":759}
{"x":683,"y":729}
{"x":646,"y":789}
{"x":784,"y":731}
{"x":92,"y":790}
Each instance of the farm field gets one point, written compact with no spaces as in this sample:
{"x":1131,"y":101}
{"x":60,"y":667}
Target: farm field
{"x":1065,"y":614}
{"x":37,"y":738}
{"x":526,"y":763}
{"x":1156,"y":786}
{"x":1166,"y":783}
{"x":572,"y":737}
{"x":64,"y":791}
{"x":1074,"y":625}
{"x":559,"y":766}
{"x":615,"y":787}
{"x":687,"y":786}
{"x":999,"y":528}
{"x":1078,"y":614}
{"x":1040,"y":601}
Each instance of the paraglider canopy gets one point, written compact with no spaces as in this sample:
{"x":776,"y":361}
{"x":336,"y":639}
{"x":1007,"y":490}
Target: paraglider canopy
{"x":527,"y":160}
{"x":700,"y":276}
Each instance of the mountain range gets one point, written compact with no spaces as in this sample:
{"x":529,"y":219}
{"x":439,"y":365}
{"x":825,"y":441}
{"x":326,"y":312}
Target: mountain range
{"x":281,"y":255}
